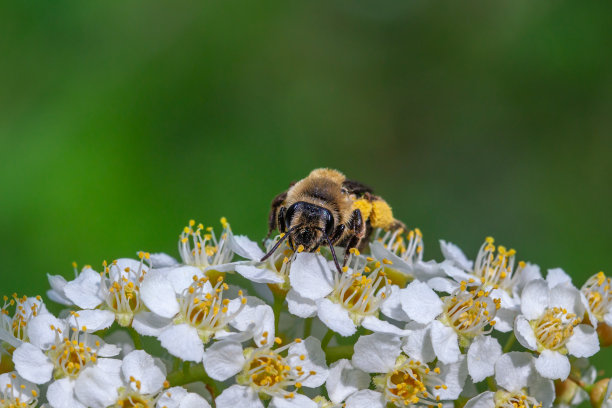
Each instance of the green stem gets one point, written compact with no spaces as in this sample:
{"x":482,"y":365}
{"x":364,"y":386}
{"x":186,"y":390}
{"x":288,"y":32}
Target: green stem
{"x":307,"y":327}
{"x":277,"y":308}
{"x":328,"y":336}
{"x":491,"y":384}
{"x":509,"y":342}
{"x":135,"y":338}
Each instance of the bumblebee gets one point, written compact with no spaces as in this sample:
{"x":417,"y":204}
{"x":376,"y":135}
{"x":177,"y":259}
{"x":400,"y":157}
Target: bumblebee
{"x":327,"y":208}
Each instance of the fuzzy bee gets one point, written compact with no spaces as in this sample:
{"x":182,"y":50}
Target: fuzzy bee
{"x":327,"y":208}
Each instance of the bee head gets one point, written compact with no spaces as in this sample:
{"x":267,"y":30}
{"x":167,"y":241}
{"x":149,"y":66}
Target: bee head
{"x":308,"y":224}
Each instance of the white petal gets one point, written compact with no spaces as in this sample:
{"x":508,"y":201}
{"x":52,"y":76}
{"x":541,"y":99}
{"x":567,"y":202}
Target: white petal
{"x":344,"y":380}
{"x":193,"y":400}
{"x":454,"y":272}
{"x":158,"y":294}
{"x":504,"y":320}
{"x":543,"y":390}
{"x":223,"y":360}
{"x":298,"y":401}
{"x":259,"y":274}
{"x":300,"y":306}
{"x":143,"y":368}
{"x":56,"y":293}
{"x":513,"y":370}
{"x":310,"y":276}
{"x":246,"y":248}
{"x":567,"y":297}
{"x":392,"y":306}
{"x":365,"y":399}
{"x":122,"y":340}
{"x":608,"y":316}
{"x":557,"y":276}
{"x":552,"y":365}
{"x":171,"y":398}
{"x":481,"y":357}
{"x":442,"y":284}
{"x":484,"y":400}
{"x":162,"y":260}
{"x":40,"y":332}
{"x":420,"y":303}
{"x":32,"y":364}
{"x":524,"y":333}
{"x":182,"y":277}
{"x":381,"y":326}
{"x":84,"y":291}
{"x":104,"y":349}
{"x":182,"y":341}
{"x":376,"y":353}
{"x":314,"y":360}
{"x":445,"y":342}
{"x":150,"y":324}
{"x":584,"y":342}
{"x":417,"y":344}
{"x":335,"y":317}
{"x":238,"y":396}
{"x":96,"y":386}
{"x":60,"y":394}
{"x":453,"y":253}
{"x":453,"y":376}
{"x":93,"y":320}
{"x":534,"y":299}
{"x":256,"y":320}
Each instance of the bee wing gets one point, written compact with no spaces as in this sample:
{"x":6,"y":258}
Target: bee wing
{"x":357,"y":188}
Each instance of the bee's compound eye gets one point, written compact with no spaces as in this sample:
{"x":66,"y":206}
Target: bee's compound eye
{"x":329,"y":223}
{"x":290,"y":214}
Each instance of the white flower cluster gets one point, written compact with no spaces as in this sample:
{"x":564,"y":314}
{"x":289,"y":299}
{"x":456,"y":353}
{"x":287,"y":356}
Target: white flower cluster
{"x":388,"y":330}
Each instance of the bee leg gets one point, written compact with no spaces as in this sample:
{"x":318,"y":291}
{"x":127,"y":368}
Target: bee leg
{"x":274,"y":214}
{"x":356,"y":230}
{"x":337,"y":233}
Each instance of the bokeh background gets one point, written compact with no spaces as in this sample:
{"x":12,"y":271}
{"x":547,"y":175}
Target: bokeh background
{"x":121,"y":121}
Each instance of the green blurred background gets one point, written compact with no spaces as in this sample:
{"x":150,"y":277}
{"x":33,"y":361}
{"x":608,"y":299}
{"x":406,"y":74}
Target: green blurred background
{"x":121,"y":121}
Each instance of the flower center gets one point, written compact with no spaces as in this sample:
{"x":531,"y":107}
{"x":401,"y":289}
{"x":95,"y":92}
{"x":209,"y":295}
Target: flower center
{"x":469,"y":312}
{"x":70,"y":356}
{"x":505,"y":399}
{"x":269,"y":372}
{"x":199,"y":247}
{"x":18,"y":395}
{"x":204,"y":307}
{"x":408,"y":383}
{"x":496,"y":270}
{"x":554,"y":328}
{"x":598,"y":291}
{"x":123,"y":291}
{"x":361,"y":291}
{"x":24,"y":312}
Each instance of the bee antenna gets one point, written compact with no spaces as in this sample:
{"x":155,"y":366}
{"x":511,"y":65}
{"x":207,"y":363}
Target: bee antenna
{"x":275,"y":247}
{"x":331,"y":247}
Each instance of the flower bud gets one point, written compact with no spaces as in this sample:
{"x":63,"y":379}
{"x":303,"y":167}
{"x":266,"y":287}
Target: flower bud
{"x":605,"y":334}
{"x":598,"y":392}
{"x":565,"y":391}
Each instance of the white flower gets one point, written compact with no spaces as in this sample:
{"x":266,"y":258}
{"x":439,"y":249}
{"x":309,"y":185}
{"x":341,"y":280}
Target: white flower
{"x":17,"y":392}
{"x":494,"y":269}
{"x":275,"y":372}
{"x":343,"y":381}
{"x":14,"y":329}
{"x":143,"y":380}
{"x":63,"y":353}
{"x":274,"y":270}
{"x":406,"y":256}
{"x":520,"y":385}
{"x":342,"y":301}
{"x":185,"y":318}
{"x":549,"y":324}
{"x":404,"y":380}
{"x":461,"y":320}
{"x":598,"y":295}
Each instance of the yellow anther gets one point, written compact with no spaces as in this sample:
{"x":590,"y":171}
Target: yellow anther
{"x":387,"y":262}
{"x":300,"y":248}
